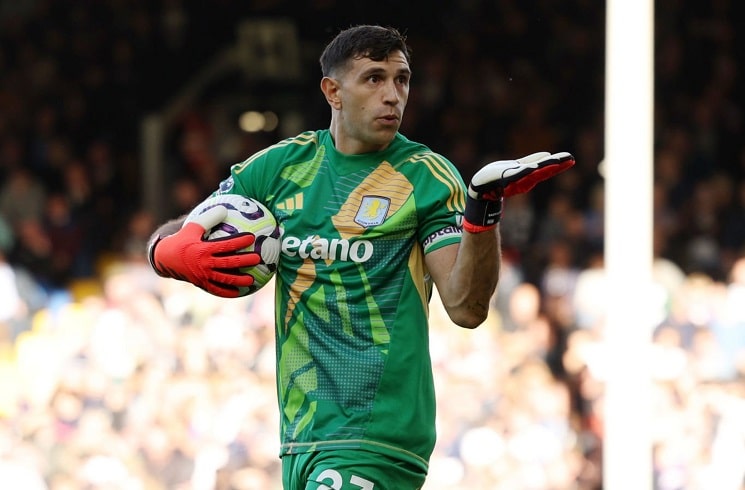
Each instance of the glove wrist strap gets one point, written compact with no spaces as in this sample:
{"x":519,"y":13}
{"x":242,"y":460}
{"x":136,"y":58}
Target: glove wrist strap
{"x":481,"y":214}
{"x":471,"y":228}
{"x":151,"y":254}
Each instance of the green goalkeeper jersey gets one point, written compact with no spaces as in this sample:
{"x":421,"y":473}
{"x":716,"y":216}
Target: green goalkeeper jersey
{"x":352,"y":289}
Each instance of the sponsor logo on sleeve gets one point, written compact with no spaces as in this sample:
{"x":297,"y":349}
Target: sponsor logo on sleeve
{"x":443,"y":234}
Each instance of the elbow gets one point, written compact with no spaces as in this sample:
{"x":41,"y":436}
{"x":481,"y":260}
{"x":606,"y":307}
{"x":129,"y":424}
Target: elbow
{"x":470,"y":318}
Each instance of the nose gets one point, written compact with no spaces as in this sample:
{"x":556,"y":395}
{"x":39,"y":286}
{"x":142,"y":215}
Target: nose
{"x":390,"y":93}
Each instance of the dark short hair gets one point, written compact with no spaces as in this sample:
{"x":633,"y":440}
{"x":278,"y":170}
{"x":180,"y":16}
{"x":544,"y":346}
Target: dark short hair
{"x":363,"y":41}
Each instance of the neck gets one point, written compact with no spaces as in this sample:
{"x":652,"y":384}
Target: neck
{"x":349,"y":145}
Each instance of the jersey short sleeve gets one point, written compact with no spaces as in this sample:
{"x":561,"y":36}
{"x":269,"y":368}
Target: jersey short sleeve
{"x":440,"y":195}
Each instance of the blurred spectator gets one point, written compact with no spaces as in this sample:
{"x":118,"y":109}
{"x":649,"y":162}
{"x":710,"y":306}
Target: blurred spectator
{"x":145,"y":383}
{"x":67,"y":235}
{"x":136,"y":236}
{"x":22,"y":198}
{"x":33,"y":251}
{"x":186,"y":193}
{"x":13,"y":309}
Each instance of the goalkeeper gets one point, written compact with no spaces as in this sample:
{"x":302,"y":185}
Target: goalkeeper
{"x":371,"y":220}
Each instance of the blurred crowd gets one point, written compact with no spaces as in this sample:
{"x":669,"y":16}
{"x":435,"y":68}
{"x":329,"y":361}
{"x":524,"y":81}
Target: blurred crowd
{"x":114,"y":379}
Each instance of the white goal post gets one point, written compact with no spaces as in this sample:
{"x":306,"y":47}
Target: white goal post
{"x":629,"y":108}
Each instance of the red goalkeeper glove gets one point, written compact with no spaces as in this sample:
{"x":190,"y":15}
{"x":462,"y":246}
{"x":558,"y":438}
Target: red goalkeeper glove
{"x":505,"y":178}
{"x":213,"y":265}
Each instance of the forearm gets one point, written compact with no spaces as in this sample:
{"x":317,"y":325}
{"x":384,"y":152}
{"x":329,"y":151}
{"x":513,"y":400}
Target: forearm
{"x":473,"y":278}
{"x":168,"y":228}
{"x":467,"y":276}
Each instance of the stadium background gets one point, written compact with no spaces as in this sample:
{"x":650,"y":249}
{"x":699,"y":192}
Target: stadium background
{"x":112,"y":379}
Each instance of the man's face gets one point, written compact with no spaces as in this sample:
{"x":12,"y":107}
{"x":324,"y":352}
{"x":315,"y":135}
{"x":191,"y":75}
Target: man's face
{"x":372,"y":96}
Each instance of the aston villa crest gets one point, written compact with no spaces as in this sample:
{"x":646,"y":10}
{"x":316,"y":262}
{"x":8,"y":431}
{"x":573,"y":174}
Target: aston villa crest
{"x":373,"y":211}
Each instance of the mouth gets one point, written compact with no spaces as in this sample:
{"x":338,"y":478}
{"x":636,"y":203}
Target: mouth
{"x":389,"y":119}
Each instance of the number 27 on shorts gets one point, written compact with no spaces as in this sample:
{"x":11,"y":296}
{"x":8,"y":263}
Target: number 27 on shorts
{"x":337,"y":482}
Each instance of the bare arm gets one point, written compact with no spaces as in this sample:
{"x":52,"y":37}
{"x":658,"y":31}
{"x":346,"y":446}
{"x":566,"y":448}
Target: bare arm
{"x":168,"y":228}
{"x":466,"y":276}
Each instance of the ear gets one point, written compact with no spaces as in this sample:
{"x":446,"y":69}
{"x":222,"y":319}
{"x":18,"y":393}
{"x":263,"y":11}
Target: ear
{"x":331,"y":88}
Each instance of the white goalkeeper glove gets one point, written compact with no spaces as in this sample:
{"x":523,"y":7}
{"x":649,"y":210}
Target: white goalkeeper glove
{"x":504,"y":178}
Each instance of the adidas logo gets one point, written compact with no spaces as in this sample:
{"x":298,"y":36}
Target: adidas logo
{"x":291,"y":204}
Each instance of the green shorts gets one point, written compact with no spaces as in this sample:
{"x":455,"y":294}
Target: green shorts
{"x":349,"y":469}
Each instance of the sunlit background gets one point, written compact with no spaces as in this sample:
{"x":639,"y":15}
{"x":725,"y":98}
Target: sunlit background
{"x":118,"y":114}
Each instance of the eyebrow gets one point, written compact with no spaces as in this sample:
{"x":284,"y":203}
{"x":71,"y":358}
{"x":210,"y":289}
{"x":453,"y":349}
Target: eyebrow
{"x":377,"y":70}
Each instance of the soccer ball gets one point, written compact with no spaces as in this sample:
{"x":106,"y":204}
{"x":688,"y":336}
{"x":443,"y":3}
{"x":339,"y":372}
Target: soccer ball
{"x":247,"y":215}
